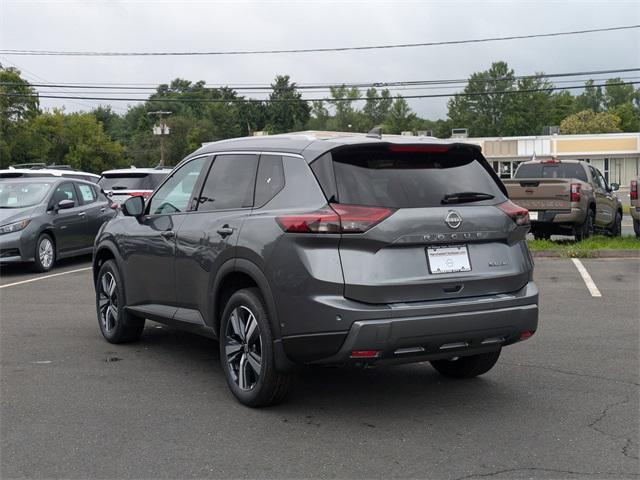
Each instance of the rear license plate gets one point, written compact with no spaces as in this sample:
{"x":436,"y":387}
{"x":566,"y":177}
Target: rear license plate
{"x":448,"y":259}
{"x":533,"y":215}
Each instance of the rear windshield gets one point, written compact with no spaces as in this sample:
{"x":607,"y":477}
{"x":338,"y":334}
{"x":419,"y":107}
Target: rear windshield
{"x":408,"y":179}
{"x":550,"y":170}
{"x":131,"y":181}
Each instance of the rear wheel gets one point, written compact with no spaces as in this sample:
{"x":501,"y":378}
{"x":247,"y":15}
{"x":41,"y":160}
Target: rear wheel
{"x":116,"y":323}
{"x":616,"y":228}
{"x":45,"y":254}
{"x":246,"y":351}
{"x":467,"y":367}
{"x":585,"y":230}
{"x":541,"y":235}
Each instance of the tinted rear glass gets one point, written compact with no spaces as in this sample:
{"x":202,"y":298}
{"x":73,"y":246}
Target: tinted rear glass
{"x":127,"y":181}
{"x":559,"y":170}
{"x":380,"y":177}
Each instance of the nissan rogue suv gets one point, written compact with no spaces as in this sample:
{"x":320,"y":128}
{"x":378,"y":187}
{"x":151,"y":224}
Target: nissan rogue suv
{"x":294,"y":250}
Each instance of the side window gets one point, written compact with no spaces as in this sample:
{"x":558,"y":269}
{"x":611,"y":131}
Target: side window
{"x":270,"y":179}
{"x":64,"y":191}
{"x":175,"y":195}
{"x":87,"y":193}
{"x":601,"y":180}
{"x":230,"y":183}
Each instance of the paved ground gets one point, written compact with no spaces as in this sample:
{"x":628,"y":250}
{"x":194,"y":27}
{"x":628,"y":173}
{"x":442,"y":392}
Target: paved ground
{"x":561,"y":405}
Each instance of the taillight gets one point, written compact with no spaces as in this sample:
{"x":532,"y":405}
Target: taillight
{"x":420,"y":148}
{"x":144,"y":194}
{"x":575,"y":192}
{"x":518,"y":214}
{"x":336,"y":218}
{"x":113,"y":206}
{"x":634,"y":190}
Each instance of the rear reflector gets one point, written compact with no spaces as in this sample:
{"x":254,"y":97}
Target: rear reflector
{"x":334,"y":218}
{"x":526,"y":334}
{"x":518,"y":214}
{"x":575,"y":192}
{"x":634,"y":190}
{"x":420,"y":148}
{"x":365,"y":353}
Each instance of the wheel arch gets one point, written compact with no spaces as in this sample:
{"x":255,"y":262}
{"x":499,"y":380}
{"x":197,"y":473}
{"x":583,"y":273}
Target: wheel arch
{"x":234,"y":275}
{"x":103,"y":253}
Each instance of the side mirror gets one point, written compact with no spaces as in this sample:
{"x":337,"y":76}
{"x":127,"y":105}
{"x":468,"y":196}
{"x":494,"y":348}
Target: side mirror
{"x":64,"y":204}
{"x":133,"y":206}
{"x":614,"y":186}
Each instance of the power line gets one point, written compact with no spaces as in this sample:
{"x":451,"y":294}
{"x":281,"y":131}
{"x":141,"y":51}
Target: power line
{"x":330,"y":100}
{"x":325,"y":86}
{"x":311,"y":50}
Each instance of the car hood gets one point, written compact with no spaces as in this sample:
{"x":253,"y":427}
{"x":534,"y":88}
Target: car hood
{"x":10,"y":215}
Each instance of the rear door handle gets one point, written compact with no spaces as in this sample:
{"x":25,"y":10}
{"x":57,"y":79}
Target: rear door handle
{"x":224,"y":231}
{"x":81,"y":214}
{"x":168,"y":234}
{"x":103,"y":209}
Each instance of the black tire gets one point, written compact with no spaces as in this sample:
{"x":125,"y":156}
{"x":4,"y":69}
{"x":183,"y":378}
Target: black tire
{"x":636,"y":228}
{"x":246,"y":351}
{"x":467,"y":367}
{"x":44,"y":262}
{"x":116,"y":324}
{"x":585,"y":230}
{"x":616,"y":228}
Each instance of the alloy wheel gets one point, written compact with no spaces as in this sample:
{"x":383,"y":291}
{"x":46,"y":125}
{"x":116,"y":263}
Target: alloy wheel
{"x":243,"y":348}
{"x":45,"y":253}
{"x":108,"y":302}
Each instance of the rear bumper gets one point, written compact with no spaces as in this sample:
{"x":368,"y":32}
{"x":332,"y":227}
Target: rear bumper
{"x":574,"y":216}
{"x":466,"y":327}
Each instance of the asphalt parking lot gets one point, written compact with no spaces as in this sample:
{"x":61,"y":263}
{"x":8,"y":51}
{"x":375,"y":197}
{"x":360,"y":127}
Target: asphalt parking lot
{"x":561,"y":405}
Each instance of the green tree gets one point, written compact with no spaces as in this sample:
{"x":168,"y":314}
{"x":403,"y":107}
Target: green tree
{"x":346,"y":118}
{"x":485,"y":108}
{"x":562,"y":105}
{"x":376,"y":107}
{"x":590,"y":99}
{"x":400,"y":117}
{"x":320,"y":115}
{"x":529,"y":111}
{"x":286,"y":111}
{"x":588,"y":121}
{"x":617,"y":95}
{"x":18,"y":106}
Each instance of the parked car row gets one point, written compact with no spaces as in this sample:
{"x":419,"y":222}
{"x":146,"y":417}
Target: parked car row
{"x":55,"y":212}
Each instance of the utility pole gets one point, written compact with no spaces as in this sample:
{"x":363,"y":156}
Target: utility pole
{"x":162,"y":129}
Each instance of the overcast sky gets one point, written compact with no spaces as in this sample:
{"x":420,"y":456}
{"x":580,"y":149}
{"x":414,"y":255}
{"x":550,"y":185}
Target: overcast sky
{"x":248,"y":25}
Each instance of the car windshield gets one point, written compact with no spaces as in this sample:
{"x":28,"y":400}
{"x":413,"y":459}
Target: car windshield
{"x":558,"y":170}
{"x":22,"y":194}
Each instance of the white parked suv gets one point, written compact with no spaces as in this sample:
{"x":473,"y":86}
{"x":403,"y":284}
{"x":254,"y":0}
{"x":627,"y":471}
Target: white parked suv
{"x":123,"y":183}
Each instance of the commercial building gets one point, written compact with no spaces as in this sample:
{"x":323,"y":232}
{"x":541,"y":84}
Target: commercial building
{"x":616,"y":155}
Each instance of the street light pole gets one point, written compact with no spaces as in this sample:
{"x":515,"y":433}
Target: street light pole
{"x":161,"y":129}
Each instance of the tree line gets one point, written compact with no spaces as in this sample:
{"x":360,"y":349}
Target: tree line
{"x":496,"y":103}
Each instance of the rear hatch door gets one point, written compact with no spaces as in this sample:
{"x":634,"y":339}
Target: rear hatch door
{"x":447,"y":238}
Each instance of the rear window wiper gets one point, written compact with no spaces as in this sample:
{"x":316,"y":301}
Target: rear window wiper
{"x":463,"y":197}
{"x":119,"y":187}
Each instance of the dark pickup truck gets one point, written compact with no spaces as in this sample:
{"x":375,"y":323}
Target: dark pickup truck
{"x":566,"y":197}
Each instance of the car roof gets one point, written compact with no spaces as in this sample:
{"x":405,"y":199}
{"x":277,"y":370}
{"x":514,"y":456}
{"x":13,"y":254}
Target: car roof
{"x":117,"y":171}
{"x":47,"y":179}
{"x":48,"y":172}
{"x":312,"y":144}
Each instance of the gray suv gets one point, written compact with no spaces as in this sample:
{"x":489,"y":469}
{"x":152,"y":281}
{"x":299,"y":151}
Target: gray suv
{"x":294,"y":250}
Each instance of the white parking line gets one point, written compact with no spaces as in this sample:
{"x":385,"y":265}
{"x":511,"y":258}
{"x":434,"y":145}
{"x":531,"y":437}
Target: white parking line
{"x":45,"y":277}
{"x":588,"y":281}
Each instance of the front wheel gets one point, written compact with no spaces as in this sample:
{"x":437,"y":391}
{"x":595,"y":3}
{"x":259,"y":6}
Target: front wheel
{"x":467,"y":367}
{"x":45,"y":255}
{"x":585,"y":230}
{"x":116,"y":324}
{"x":616,"y":228}
{"x":246,"y":351}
